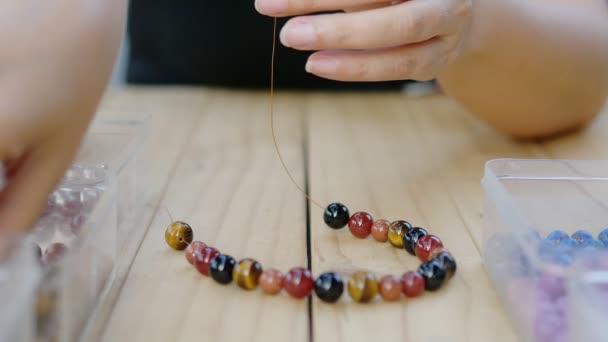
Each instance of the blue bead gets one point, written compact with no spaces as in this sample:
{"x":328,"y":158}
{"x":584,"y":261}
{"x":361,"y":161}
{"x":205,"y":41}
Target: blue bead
{"x":568,"y":243}
{"x":557,"y":236}
{"x":603,"y":236}
{"x":582,"y":236}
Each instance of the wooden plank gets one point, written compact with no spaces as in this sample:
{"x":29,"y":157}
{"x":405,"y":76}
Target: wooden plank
{"x":229,"y":185}
{"x":401,"y":159}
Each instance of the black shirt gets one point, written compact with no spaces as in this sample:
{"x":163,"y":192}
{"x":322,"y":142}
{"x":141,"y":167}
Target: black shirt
{"x":199,"y":42}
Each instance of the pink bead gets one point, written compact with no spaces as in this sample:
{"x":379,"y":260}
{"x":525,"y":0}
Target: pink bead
{"x":380,"y":230}
{"x":192,"y":249}
{"x":390,"y":288}
{"x":412,"y":284}
{"x":271,"y":281}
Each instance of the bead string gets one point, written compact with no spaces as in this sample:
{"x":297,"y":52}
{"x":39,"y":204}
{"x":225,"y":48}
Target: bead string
{"x":437,"y":268}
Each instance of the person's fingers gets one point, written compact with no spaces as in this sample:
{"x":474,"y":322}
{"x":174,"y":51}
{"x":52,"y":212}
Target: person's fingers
{"x":25,"y":195}
{"x":397,"y":25}
{"x":419,"y":61}
{"x":284,"y":8}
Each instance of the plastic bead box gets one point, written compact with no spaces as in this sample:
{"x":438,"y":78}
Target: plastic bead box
{"x":545,"y":248}
{"x":60,"y":281}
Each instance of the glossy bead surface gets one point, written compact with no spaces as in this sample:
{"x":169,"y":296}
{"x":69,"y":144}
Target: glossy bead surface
{"x":425,"y":245}
{"x":582,"y":236}
{"x":434,"y":275}
{"x":329,"y":287}
{"x":411,"y":237}
{"x":192,"y":249}
{"x":390,"y":288}
{"x":221,"y":268}
{"x":203,"y":258}
{"x":271,"y":281}
{"x":362,"y":287}
{"x":603,"y":236}
{"x":557,"y":236}
{"x":412,"y":284}
{"x":360,"y":225}
{"x":444,"y":257}
{"x":380,"y":230}
{"x":178,"y":235}
{"x":298,"y":282}
{"x":246,"y":274}
{"x":336,"y":215}
{"x":396,"y":232}
{"x":53,"y":253}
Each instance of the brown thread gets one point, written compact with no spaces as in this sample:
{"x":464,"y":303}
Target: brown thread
{"x":274,"y":139}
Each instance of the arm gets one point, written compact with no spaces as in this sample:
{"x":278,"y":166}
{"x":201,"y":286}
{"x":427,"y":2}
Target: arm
{"x":534,"y":68}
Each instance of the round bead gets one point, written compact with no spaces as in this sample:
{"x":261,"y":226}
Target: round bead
{"x":425,"y":245}
{"x":192,"y":249}
{"x":557,"y":236}
{"x":434,"y":274}
{"x":329,"y":287}
{"x":390,"y":288}
{"x":271,"y":281}
{"x":221,"y":268}
{"x":412,"y":284}
{"x":336,"y":215}
{"x":178,"y":235}
{"x":444,"y":257}
{"x":360,"y":225}
{"x":396,"y":232}
{"x":411,"y":237}
{"x":380,"y":230}
{"x":53,"y":252}
{"x":247,"y":274}
{"x":603,"y":236}
{"x":298,"y":282}
{"x":582,"y":236}
{"x":203,"y":258}
{"x":362,"y":287}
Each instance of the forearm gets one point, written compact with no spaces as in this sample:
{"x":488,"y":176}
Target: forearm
{"x":533,"y":68}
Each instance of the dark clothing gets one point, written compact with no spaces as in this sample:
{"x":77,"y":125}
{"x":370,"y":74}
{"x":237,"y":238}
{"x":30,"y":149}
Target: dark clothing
{"x":198,"y":42}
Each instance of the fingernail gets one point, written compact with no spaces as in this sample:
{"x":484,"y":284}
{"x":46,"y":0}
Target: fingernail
{"x":271,"y":7}
{"x":298,"y":34}
{"x":321,"y":66}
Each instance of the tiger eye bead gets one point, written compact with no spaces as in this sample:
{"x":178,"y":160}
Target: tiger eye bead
{"x":203,"y":258}
{"x":192,"y":249}
{"x":247,"y":273}
{"x":411,"y":237}
{"x":425,"y":245}
{"x":271,"y":281}
{"x":336,"y":215}
{"x":221,"y":268}
{"x":444,"y":257}
{"x":178,"y":235}
{"x":380,"y":230}
{"x":362,"y":287}
{"x":390,"y":288}
{"x":298,"y":282}
{"x":360,"y":225}
{"x":396,"y":232}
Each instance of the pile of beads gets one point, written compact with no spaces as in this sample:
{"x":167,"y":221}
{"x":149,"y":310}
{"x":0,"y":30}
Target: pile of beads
{"x":560,"y":248}
{"x":438,"y":266}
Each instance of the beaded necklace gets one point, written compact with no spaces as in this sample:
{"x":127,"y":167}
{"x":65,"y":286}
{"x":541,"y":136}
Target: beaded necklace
{"x":437,"y":268}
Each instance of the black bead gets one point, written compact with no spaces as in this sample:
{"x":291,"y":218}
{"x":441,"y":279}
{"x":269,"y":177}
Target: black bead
{"x":434,"y":274}
{"x":448,"y":262}
{"x":336,"y":215}
{"x":221,"y":268}
{"x":411,"y":237}
{"x":329,"y":287}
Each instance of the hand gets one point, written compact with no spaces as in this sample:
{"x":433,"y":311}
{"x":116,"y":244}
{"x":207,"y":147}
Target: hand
{"x":375,"y":40}
{"x":56,"y":62}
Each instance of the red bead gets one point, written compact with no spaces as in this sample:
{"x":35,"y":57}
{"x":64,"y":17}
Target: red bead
{"x":360,"y":225}
{"x":425,"y":245}
{"x":412,"y":284}
{"x":298,"y":282}
{"x":192,"y":249}
{"x":203,"y":258}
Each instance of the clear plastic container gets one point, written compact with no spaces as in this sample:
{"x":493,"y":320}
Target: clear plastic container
{"x":552,"y":291}
{"x":91,"y":216}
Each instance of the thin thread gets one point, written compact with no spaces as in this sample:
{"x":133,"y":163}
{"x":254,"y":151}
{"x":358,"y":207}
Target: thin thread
{"x":274,"y":138}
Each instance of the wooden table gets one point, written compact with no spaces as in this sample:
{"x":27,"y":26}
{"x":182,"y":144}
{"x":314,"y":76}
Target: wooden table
{"x":209,"y":159}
